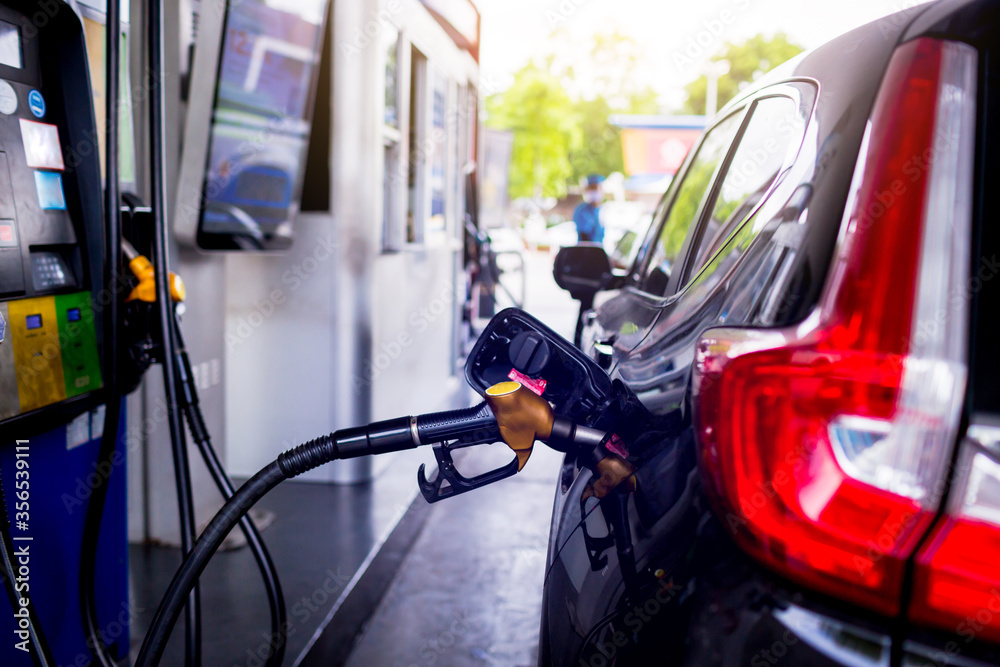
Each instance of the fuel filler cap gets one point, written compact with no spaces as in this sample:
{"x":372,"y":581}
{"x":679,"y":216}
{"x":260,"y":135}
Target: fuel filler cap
{"x":529,"y":352}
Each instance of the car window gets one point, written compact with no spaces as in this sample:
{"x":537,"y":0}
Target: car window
{"x":773,"y":128}
{"x":649,"y":232}
{"x":708,"y":278}
{"x":625,"y":251}
{"x":686,"y":204}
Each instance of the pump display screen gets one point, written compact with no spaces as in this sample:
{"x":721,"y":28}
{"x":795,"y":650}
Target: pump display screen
{"x":33,"y":322}
{"x":260,"y":123}
{"x":10,"y":45}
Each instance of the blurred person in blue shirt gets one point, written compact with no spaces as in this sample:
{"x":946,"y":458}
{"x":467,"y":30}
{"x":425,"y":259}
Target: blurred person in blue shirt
{"x":587,"y":214}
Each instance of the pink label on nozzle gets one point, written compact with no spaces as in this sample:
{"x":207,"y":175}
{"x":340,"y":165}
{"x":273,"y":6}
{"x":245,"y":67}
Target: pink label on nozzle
{"x":537,"y":386}
{"x":615,"y":446}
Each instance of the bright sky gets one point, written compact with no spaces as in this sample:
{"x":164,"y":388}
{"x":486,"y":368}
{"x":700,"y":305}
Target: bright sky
{"x":514,"y":31}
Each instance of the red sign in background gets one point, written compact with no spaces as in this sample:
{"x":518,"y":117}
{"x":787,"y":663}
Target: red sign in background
{"x":656,"y":150}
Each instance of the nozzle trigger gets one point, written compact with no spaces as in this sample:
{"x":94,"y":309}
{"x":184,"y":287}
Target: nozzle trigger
{"x":449,"y":482}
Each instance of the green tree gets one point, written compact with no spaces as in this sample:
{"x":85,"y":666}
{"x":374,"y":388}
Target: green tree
{"x":747,"y":61}
{"x":610,"y":86}
{"x":559,"y":111}
{"x":600,"y":151}
{"x":540,"y":114}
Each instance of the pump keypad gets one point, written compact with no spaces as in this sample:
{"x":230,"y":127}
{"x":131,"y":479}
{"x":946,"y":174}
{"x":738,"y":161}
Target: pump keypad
{"x":49,"y":271}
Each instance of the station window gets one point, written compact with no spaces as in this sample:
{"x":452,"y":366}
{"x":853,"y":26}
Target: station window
{"x":460,"y":152}
{"x":390,"y":42}
{"x":417,"y":181}
{"x":392,"y":137}
{"x":425,"y":132}
{"x":438,"y":149}
{"x":469,"y":162}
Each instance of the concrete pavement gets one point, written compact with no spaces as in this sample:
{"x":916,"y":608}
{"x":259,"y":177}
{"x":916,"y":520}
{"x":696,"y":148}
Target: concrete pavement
{"x":470,"y":590}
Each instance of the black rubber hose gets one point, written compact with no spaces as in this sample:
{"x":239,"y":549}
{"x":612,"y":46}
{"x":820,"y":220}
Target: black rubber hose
{"x":110,"y":372}
{"x":391,"y":435}
{"x":164,"y":305}
{"x":379,"y":438}
{"x":200,"y":434}
{"x":187,"y":576}
{"x":40,"y":654}
{"x":185,"y":509}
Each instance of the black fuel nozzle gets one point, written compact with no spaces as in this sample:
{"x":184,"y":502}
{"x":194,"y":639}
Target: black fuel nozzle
{"x":463,"y":428}
{"x":511,"y":413}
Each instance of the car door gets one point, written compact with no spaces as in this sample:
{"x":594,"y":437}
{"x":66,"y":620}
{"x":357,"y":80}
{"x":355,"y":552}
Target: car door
{"x":715,"y":226}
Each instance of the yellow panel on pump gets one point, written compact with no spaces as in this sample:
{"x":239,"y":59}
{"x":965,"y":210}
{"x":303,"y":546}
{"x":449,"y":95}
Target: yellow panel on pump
{"x":34,"y":335}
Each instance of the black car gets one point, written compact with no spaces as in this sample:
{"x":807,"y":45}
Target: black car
{"x":810,"y":323}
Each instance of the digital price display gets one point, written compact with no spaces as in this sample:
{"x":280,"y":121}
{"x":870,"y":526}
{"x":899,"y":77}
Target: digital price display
{"x":10,"y":45}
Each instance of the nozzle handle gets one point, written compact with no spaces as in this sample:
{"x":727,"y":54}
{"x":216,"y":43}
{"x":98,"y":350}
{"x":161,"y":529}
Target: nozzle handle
{"x":469,"y":425}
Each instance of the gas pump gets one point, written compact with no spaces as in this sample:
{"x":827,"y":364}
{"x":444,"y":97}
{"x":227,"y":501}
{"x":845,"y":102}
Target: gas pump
{"x":57,"y":297}
{"x":77,"y":331}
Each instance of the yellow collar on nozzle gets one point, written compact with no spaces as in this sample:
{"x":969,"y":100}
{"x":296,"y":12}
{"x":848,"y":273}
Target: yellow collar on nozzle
{"x":522,"y":416}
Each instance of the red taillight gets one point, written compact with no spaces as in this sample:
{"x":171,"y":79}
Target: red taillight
{"x":825,"y":444}
{"x":956,"y":578}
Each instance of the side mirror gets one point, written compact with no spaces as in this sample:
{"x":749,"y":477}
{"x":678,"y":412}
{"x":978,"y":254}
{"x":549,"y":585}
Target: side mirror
{"x":582,"y":270}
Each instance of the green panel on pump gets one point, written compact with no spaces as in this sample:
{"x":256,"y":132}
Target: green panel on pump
{"x":81,"y":365}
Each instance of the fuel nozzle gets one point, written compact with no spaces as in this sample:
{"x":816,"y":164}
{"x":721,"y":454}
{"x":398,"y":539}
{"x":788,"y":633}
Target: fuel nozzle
{"x":511,"y":413}
{"x":524,"y":417}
